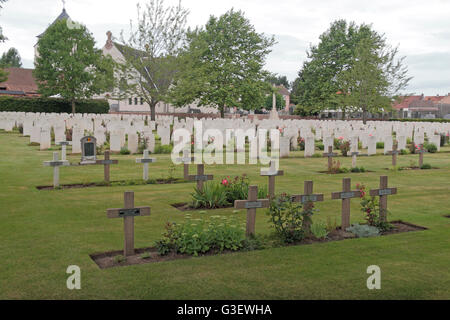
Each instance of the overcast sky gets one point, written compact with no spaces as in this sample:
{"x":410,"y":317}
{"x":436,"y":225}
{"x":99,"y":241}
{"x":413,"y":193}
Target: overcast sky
{"x":420,"y":28}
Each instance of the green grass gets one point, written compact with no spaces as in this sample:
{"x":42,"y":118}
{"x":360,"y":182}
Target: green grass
{"x":43,"y":232}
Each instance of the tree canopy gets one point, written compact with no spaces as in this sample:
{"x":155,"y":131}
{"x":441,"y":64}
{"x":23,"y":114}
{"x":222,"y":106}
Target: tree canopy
{"x":3,"y":74}
{"x":278,"y":80}
{"x":223,"y":65}
{"x":151,"y":52}
{"x":11,"y":59}
{"x":333,"y":76}
{"x":69,"y":65}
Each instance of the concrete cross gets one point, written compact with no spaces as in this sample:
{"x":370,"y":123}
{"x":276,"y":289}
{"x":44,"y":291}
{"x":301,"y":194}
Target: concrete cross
{"x":330,"y":156}
{"x":128,"y":213}
{"x":308,"y":199}
{"x":106,"y":163}
{"x":394,"y":154}
{"x":421,"y":152}
{"x":64,"y":145}
{"x":200,"y":177}
{"x":251,"y":205}
{"x":186,"y":160}
{"x":145,"y":160}
{"x":383,"y":193}
{"x":345,"y":196}
{"x":272,"y":173}
{"x":55,"y":163}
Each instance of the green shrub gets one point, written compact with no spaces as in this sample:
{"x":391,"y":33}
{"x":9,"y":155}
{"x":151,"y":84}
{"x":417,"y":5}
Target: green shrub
{"x":287,"y":217}
{"x":320,"y":146}
{"x":319,"y":230}
{"x":404,"y":152}
{"x":317,"y":155}
{"x":380,"y":145}
{"x":52,"y":105}
{"x":425,"y":166}
{"x":363,"y":231}
{"x":124,"y":151}
{"x":212,"y":196}
{"x":430,"y":147}
{"x":197,"y":236}
{"x":358,"y":169}
{"x":166,"y":149}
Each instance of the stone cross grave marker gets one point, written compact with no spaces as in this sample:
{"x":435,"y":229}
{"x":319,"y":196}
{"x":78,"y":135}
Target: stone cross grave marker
{"x":330,"y":156}
{"x":88,"y":150}
{"x":64,"y":145}
{"x":421,"y":152}
{"x":106,"y":165}
{"x":200,"y":177}
{"x":128,"y":213}
{"x":251,"y":205}
{"x":145,"y":160}
{"x":354,"y":155}
{"x":55,"y":163}
{"x":308,"y":199}
{"x":394,"y":154}
{"x":345,"y":196}
{"x":383,"y":193}
{"x":186,"y":160}
{"x":272,"y":173}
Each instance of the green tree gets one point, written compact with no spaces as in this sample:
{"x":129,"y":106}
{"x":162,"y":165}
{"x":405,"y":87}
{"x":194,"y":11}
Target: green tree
{"x":11,"y":59}
{"x":280,"y":102}
{"x":374,"y":78}
{"x":151,"y":53}
{"x":3,"y":73}
{"x":69,"y":64}
{"x":223,"y":65}
{"x":319,"y":84}
{"x":278,"y":80}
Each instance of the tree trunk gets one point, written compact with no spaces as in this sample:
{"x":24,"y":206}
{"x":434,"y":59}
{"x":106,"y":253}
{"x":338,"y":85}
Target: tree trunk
{"x":73,"y":106}
{"x":364,"y":116}
{"x":222,"y":111}
{"x":153,"y":111}
{"x":343,"y":114}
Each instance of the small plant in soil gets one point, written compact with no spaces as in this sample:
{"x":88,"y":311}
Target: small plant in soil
{"x":319,"y":230}
{"x":120,"y":259}
{"x":146,"y":255}
{"x":426,"y":166}
{"x":363,"y":231}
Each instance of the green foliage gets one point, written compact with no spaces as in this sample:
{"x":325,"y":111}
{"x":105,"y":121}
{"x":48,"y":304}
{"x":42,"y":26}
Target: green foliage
{"x":146,"y":255}
{"x":51,"y":105}
{"x":426,"y":166}
{"x":331,"y":225}
{"x":199,"y":236}
{"x":163,"y":149}
{"x":223,"y":65}
{"x":287,"y":217}
{"x":404,"y":152}
{"x":380,"y":145}
{"x":124,"y":151}
{"x":358,"y":169}
{"x":430,"y":147}
{"x":364,"y":231}
{"x":343,"y":145}
{"x":319,"y":230}
{"x":212,"y":196}
{"x":11,"y":59}
{"x":75,"y":74}
{"x":120,"y":259}
{"x":280,"y":103}
{"x":370,"y":206}
{"x":278,"y":80}
{"x":320,"y":146}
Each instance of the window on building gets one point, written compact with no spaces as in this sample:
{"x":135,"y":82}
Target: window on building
{"x":130,"y":101}
{"x":142,"y":101}
{"x":135,"y":101}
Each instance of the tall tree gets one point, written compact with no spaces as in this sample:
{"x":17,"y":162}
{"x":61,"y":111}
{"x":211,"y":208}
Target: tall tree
{"x":151,"y":52}
{"x":11,"y":59}
{"x":68,"y":64}
{"x":374,"y":78}
{"x":3,"y":73}
{"x":223,"y":65}
{"x":319,"y":85}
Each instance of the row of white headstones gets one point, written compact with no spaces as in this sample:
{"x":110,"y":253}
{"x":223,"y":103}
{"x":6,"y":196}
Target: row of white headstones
{"x":127,"y":128}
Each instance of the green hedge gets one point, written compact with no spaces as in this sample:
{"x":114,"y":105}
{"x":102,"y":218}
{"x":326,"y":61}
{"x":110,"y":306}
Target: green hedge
{"x":51,"y":105}
{"x":420,"y":120}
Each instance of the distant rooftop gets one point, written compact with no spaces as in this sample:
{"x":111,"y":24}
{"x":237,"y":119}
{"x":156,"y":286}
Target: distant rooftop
{"x":62,"y":16}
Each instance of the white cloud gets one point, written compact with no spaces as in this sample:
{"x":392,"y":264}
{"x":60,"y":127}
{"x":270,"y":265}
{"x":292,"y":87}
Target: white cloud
{"x":420,"y":28}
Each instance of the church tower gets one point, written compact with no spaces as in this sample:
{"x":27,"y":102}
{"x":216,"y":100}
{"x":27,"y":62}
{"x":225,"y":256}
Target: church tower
{"x":62,"y":16}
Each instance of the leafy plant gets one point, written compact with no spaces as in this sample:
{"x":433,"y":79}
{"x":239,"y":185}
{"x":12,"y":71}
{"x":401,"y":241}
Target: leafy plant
{"x":165,"y":149}
{"x":287,"y":217}
{"x":124,"y":151}
{"x":426,"y":166}
{"x":364,"y":231}
{"x":120,"y":259}
{"x":404,"y":152}
{"x":430,"y":147}
{"x":146,"y":255}
{"x":380,"y":145}
{"x":212,"y":196}
{"x":319,"y":230}
{"x":358,"y":169}
{"x":331,"y":226}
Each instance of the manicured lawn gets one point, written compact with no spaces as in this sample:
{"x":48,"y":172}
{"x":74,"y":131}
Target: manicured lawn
{"x":43,"y":232}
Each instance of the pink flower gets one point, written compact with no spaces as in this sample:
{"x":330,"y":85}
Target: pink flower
{"x":225,"y":182}
{"x":369,"y":211}
{"x":341,"y":138}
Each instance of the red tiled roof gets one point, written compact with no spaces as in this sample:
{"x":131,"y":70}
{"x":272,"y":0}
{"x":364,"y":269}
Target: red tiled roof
{"x":20,"y":79}
{"x":283,"y":91}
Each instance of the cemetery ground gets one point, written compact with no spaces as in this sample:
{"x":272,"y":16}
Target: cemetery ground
{"x":45,"y":231}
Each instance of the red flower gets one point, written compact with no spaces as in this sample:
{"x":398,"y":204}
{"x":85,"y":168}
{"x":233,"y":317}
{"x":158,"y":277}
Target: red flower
{"x":225,"y":182}
{"x":363,"y":194}
{"x":369,"y":211}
